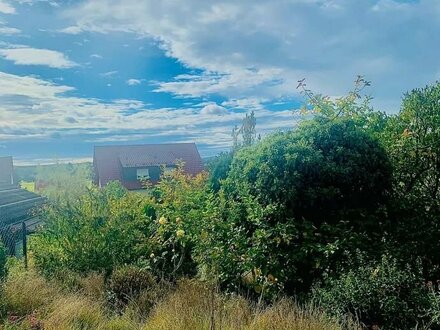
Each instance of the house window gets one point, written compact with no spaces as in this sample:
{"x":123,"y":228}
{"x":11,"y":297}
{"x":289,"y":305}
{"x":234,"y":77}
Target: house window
{"x":142,"y":174}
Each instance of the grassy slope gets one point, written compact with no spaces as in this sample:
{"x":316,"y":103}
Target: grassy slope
{"x":31,"y":302}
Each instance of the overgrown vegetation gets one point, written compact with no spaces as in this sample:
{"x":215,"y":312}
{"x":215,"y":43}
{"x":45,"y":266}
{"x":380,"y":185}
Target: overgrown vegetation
{"x":342,"y":212}
{"x":33,"y":302}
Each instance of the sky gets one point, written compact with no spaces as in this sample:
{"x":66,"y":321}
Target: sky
{"x":75,"y":74}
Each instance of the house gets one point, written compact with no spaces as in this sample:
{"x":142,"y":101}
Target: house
{"x":132,"y":164}
{"x":6,"y":171}
{"x":17,"y":207}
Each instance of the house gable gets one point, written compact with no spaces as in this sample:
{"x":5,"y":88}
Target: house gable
{"x":127,"y":163}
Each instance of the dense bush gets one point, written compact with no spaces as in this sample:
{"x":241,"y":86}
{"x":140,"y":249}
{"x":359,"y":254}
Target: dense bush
{"x":97,"y":232}
{"x":383,"y":294}
{"x":183,"y":204}
{"x":412,"y":140}
{"x":110,"y":227}
{"x":219,"y":168}
{"x":295,"y":203}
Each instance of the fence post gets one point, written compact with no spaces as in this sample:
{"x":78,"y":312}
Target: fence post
{"x":24,"y":236}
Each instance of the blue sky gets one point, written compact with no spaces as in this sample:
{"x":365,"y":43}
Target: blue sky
{"x":74,"y":74}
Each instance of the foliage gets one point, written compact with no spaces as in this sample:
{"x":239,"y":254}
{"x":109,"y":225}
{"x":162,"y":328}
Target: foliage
{"x":412,"y":139}
{"x":96,"y":232}
{"x":271,"y":216}
{"x":383,"y":294}
{"x":218,"y":169}
{"x":29,"y":186}
{"x":355,"y":106}
{"x":219,"y":166}
{"x":295,"y":203}
{"x":108,"y":228}
{"x":63,"y":181}
{"x":182,"y":204}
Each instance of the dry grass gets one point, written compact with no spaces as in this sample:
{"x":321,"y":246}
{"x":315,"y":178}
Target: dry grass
{"x":93,"y":286}
{"x":289,"y":316}
{"x":192,"y":305}
{"x":74,"y":312}
{"x":27,"y":292}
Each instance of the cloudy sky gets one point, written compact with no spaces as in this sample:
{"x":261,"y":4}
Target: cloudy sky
{"x":74,"y":74}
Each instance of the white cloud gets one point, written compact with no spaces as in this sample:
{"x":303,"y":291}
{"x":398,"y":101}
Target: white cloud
{"x":34,"y":56}
{"x":71,"y":30}
{"x":6,"y":8}
{"x":34,"y":108}
{"x":259,"y":49}
{"x":108,"y":74}
{"x":9,"y":30}
{"x":96,"y":56}
{"x":133,"y":82}
{"x":213,"y":109}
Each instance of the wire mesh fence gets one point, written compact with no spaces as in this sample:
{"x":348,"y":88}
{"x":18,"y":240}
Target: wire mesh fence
{"x":18,"y":217}
{"x":14,"y":238}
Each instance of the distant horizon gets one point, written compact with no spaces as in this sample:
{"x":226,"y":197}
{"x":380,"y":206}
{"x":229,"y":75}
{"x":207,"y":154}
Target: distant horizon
{"x":33,"y":160}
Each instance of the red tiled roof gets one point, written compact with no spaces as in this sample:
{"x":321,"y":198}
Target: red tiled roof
{"x":109,"y":160}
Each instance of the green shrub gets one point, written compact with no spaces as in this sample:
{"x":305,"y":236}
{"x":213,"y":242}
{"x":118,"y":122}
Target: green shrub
{"x":412,"y":139}
{"x":219,"y":168}
{"x":293,"y":205}
{"x":96,"y":232}
{"x":183,"y":204}
{"x":385,"y":294}
{"x":128,"y":282}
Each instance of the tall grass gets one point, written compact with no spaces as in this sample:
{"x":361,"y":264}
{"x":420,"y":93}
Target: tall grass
{"x":32,"y":302}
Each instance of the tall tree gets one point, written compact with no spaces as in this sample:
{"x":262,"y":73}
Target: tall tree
{"x":247,"y":132}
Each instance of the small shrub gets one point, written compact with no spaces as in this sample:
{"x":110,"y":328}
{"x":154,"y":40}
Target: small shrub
{"x":96,"y":232}
{"x":128,"y":282}
{"x":382,"y":294}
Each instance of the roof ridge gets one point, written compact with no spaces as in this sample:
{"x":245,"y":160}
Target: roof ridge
{"x":144,"y":144}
